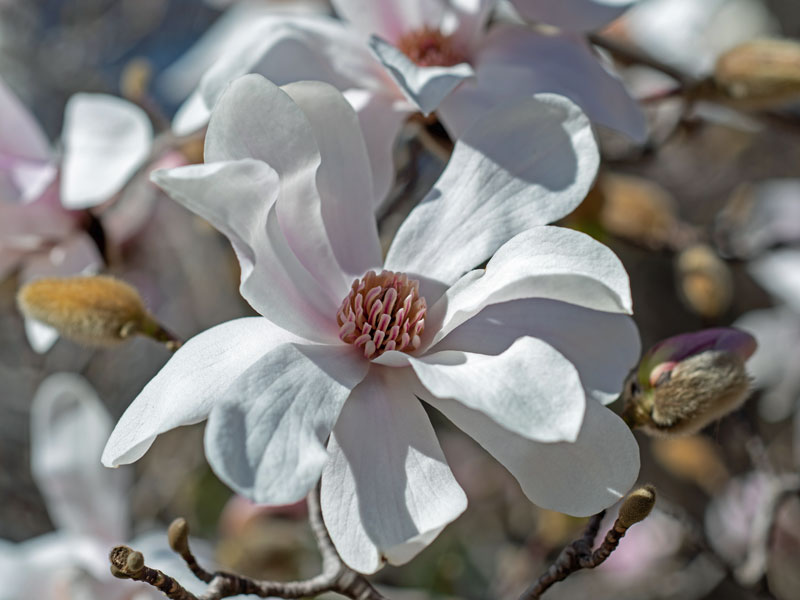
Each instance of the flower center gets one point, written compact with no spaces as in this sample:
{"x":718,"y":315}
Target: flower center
{"x":430,"y":48}
{"x":382,"y":312}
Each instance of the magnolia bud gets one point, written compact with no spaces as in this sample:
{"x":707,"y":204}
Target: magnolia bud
{"x":134,"y":562}
{"x":637,"y":505}
{"x":96,"y":310}
{"x":760,"y":73}
{"x":178,"y":536}
{"x":704,"y":281}
{"x":685,"y":382}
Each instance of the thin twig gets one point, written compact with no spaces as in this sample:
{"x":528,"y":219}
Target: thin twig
{"x":627,"y":54}
{"x":335,"y":575}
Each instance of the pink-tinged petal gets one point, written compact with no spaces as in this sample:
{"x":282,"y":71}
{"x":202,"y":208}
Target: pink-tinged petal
{"x":779,"y":273}
{"x":20,"y":135}
{"x":26,"y":227}
{"x":381,"y":118}
{"x":238,"y":198}
{"x":425,"y":87}
{"x":69,"y":427}
{"x":543,"y":262}
{"x":267,"y":439}
{"x":517,"y":61}
{"x":285,"y":49}
{"x":191,"y":383}
{"x":573,"y":15}
{"x":522,"y":165}
{"x":343,"y":178}
{"x":390,"y":19}
{"x":256,"y":119}
{"x":578,"y":478}
{"x":387,"y":491}
{"x":530,"y":388}
{"x":106,"y":139}
{"x":580,"y":334}
{"x":22,"y":181}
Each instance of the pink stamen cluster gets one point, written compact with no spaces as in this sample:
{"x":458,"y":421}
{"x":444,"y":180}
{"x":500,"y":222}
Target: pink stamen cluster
{"x":382,"y":312}
{"x":430,"y":48}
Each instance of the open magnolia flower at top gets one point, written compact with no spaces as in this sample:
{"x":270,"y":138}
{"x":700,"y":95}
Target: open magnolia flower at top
{"x":328,"y":381}
{"x":394,"y":58}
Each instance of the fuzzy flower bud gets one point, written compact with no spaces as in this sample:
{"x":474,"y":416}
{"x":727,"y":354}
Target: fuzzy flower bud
{"x":178,"y":536}
{"x":760,"y":73}
{"x":685,"y":382}
{"x":94,"y":310}
{"x":637,"y":505}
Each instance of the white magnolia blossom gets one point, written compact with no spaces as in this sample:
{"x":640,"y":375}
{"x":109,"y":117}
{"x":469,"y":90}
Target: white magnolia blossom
{"x":514,"y":354}
{"x":42,"y":227}
{"x":86,"y":502}
{"x":394,"y":58}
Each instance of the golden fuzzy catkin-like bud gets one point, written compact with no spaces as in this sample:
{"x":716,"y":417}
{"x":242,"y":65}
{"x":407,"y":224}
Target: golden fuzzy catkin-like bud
{"x":704,"y":281}
{"x":760,"y":74}
{"x":637,"y":505}
{"x":92,"y":310}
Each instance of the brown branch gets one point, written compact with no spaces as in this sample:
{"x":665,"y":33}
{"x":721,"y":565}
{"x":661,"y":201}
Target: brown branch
{"x":335,"y":575}
{"x":579,"y":555}
{"x":630,"y":55}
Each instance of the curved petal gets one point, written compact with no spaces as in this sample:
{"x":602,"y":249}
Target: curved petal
{"x":238,"y":198}
{"x":530,"y":388}
{"x":267,"y":439}
{"x":191,"y":383}
{"x":425,"y":87}
{"x":578,"y":478}
{"x":256,"y":119}
{"x":573,"y":15}
{"x":192,"y":115}
{"x":285,"y":49}
{"x":69,"y":427}
{"x":388,"y":18}
{"x":343,"y":178}
{"x":522,"y":165}
{"x":517,"y":61}
{"x":543,"y":262}
{"x":381,"y":118}
{"x":105,"y":140}
{"x":387,"y":491}
{"x":580,"y":334}
{"x":470,"y":20}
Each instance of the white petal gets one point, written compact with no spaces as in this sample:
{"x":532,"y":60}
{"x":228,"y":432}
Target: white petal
{"x":580,"y":334}
{"x":69,"y":426}
{"x":387,"y":491}
{"x":238,"y":198}
{"x":285,"y":49}
{"x":779,"y":273}
{"x":190,"y":384}
{"x":530,"y":388}
{"x":525,"y":164}
{"x":390,"y":19}
{"x":543,"y":262}
{"x":192,"y":115}
{"x":343,"y":178}
{"x":425,"y":87}
{"x":573,"y":15}
{"x":381,"y":117}
{"x":41,"y":337}
{"x":517,"y":61}
{"x":256,"y":119}
{"x":266,"y":440}
{"x":471,"y":17}
{"x":577,"y":478}
{"x":105,"y":140}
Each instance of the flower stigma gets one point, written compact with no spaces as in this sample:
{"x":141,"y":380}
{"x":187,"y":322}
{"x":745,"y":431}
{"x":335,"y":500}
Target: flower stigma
{"x":429,"y":47}
{"x":382,"y":312}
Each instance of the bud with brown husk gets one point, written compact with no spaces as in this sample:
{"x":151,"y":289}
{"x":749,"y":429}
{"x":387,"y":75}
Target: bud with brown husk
{"x":91,"y":310}
{"x":760,"y":74}
{"x":685,"y":382}
{"x":637,"y":505}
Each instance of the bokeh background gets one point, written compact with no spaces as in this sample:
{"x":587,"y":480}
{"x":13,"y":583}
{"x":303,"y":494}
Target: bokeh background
{"x":691,"y":216}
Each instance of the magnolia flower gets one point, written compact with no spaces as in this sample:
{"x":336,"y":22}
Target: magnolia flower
{"x":394,"y":58}
{"x":573,"y":15}
{"x":43,"y":227}
{"x":87,"y":504}
{"x":327,"y":381}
